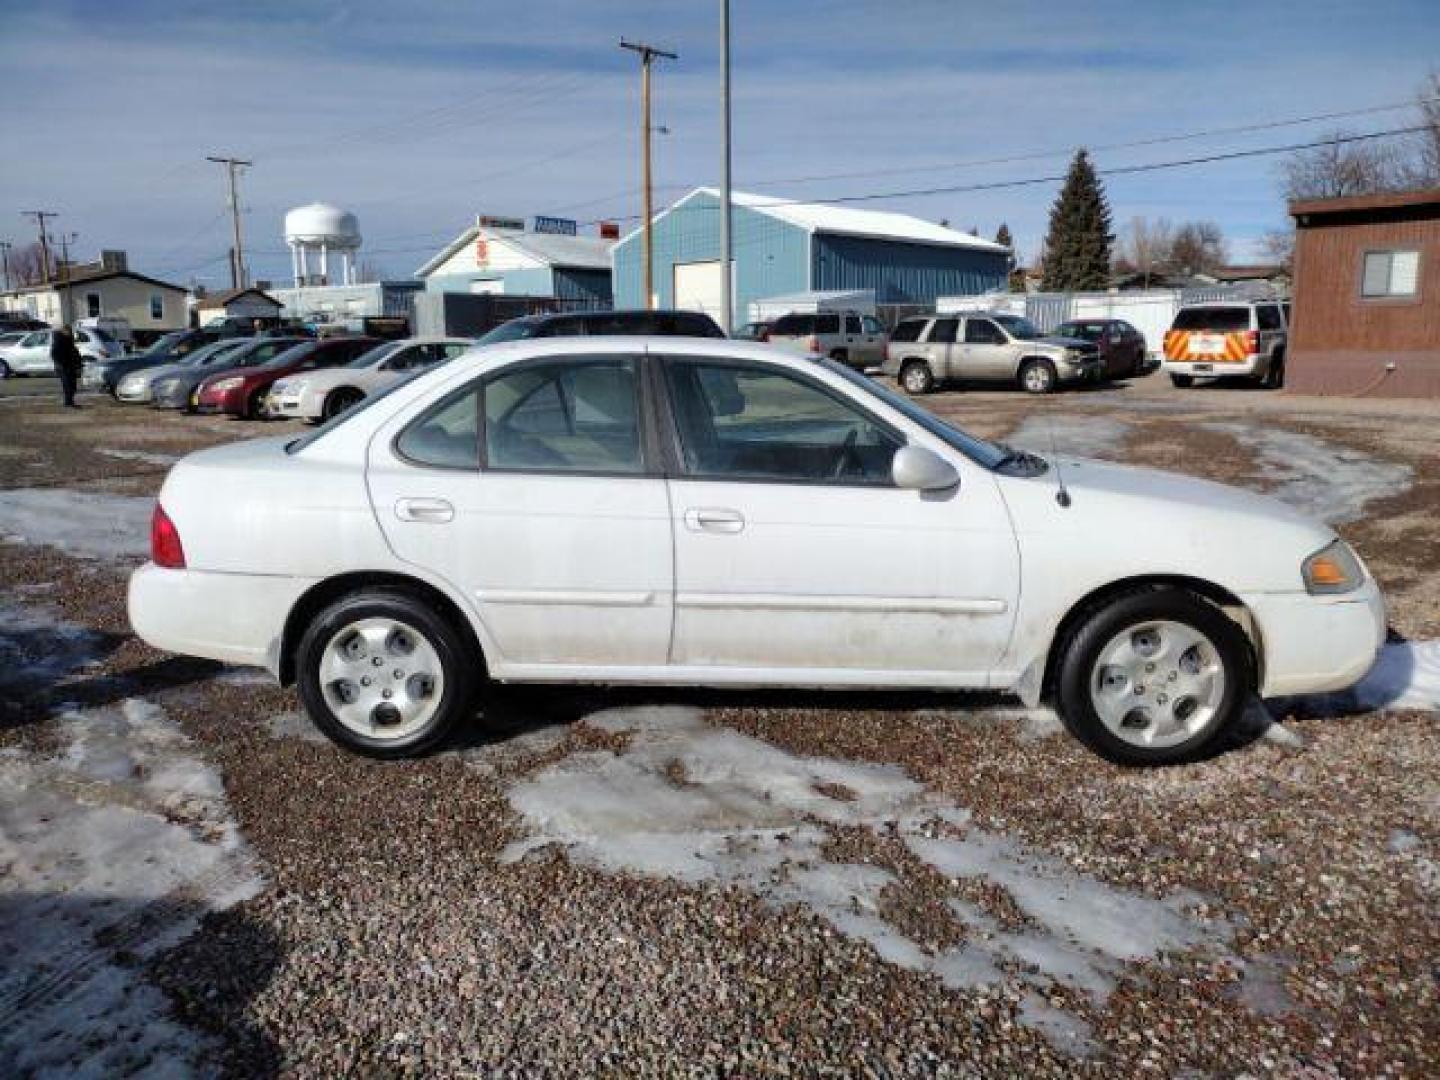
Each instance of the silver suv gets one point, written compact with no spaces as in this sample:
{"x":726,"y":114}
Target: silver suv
{"x":849,"y":337}
{"x":932,"y":349}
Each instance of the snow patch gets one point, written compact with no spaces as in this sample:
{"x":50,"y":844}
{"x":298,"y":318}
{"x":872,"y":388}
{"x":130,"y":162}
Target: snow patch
{"x":146,"y":457}
{"x":701,"y":804}
{"x":111,"y":852}
{"x":38,"y":649}
{"x":86,"y":524}
{"x":1322,"y":479}
{"x":1406,"y":675}
{"x":1080,"y":436}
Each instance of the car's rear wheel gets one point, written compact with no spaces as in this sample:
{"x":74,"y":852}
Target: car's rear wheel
{"x":339,"y":400}
{"x":1182,"y":381}
{"x":916,"y":377}
{"x":384,"y":675}
{"x":1154,"y":678}
{"x":1274,"y":377}
{"x":4,"y":370}
{"x":255,"y":405}
{"x":1037,"y":376}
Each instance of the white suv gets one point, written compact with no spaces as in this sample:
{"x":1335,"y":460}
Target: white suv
{"x":1213,"y":340}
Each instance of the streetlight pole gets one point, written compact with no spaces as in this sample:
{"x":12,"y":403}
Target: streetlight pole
{"x":727,"y":302}
{"x":647,"y":54}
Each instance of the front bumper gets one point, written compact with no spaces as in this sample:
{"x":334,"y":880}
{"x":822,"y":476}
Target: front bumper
{"x":133,"y":394}
{"x":1089,"y":370}
{"x":234,"y":618}
{"x":1317,"y":644}
{"x":222,"y":401}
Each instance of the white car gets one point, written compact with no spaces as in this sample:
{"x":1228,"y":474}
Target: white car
{"x":719,"y":513}
{"x":31,"y":354}
{"x":327,"y":392}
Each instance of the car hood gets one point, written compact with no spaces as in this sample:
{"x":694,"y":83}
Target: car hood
{"x":1148,"y":521}
{"x":1066,"y":342}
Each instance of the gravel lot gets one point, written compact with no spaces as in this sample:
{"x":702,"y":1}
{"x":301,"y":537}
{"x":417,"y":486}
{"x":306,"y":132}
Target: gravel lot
{"x":666,"y":883}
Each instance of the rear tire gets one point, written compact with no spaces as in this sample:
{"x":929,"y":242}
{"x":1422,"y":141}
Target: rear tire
{"x":4,"y":370}
{"x":1201,"y":663}
{"x":916,"y":378}
{"x":254,"y":406}
{"x":840,"y":356}
{"x":418,"y":672}
{"x":1274,"y":377}
{"x":1182,"y":382}
{"x":1038,"y":377}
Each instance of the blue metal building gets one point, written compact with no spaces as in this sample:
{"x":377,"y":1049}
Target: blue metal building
{"x":781,"y":246}
{"x":516,"y":262}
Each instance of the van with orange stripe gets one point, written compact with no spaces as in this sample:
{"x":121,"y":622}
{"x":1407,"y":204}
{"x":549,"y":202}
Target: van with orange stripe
{"x":1245,"y":338}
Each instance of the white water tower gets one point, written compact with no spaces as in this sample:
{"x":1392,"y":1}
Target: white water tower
{"x":319,"y":230}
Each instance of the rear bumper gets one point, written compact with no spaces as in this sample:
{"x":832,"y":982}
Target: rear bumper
{"x":1317,"y":644}
{"x":235,"y":618}
{"x":1207,"y":369}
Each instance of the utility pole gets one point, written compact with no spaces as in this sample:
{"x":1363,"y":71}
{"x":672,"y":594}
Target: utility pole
{"x":67,"y":304}
{"x":40,"y":216}
{"x":647,"y":54}
{"x":727,"y":302}
{"x":5,"y":247}
{"x":237,"y":251}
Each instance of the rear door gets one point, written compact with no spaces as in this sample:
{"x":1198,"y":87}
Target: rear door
{"x":534,"y":492}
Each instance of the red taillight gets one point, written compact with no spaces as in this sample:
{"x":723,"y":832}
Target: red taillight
{"x":165,"y":547}
{"x":1252,"y":341}
{"x":813,"y":344}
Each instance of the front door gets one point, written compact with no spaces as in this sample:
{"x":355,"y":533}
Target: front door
{"x":798,"y":560}
{"x":987,"y":350}
{"x":554,"y":524}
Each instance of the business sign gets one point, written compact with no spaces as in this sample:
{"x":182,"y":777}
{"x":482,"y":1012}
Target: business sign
{"x":609,"y":230}
{"x":560,"y":225}
{"x":482,"y":251}
{"x":485,"y":221}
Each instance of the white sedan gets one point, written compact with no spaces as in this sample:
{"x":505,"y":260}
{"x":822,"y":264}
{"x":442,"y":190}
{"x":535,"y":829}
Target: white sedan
{"x":717,"y":513}
{"x":327,"y":392}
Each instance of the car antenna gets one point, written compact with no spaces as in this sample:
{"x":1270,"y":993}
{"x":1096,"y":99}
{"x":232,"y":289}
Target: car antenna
{"x":1062,"y":493}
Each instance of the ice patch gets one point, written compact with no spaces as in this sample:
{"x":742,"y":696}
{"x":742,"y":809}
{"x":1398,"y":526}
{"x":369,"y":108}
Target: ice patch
{"x":86,"y":524}
{"x":144,"y":456}
{"x":1330,"y":482}
{"x":700,"y":804}
{"x":1081,"y":436}
{"x":111,"y":853}
{"x":38,"y":649}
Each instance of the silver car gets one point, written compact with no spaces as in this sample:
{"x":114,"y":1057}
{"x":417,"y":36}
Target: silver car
{"x":929,"y":350}
{"x":847,"y":337}
{"x":139,"y":386}
{"x":31,"y":354}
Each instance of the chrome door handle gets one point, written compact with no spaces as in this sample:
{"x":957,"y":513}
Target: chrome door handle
{"x":432,"y":511}
{"x":702,"y":519}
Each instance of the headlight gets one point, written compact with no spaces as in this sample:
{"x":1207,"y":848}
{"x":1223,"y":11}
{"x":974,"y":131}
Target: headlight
{"x":228,"y":384}
{"x":1332,"y":569}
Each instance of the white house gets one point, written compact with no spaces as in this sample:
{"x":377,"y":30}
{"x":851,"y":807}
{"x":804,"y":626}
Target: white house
{"x":105,"y":289}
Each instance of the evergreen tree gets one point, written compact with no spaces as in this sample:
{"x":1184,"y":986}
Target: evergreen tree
{"x":1003,"y":237}
{"x":1077,"y":248}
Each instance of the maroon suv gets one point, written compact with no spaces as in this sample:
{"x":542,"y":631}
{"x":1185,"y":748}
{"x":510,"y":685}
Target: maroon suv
{"x":242,"y":392}
{"x":1122,"y":347}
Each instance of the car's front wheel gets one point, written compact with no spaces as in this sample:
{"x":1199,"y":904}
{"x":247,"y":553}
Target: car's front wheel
{"x":385,"y":675}
{"x":916,"y":378}
{"x":340,"y":400}
{"x":1154,"y":677}
{"x":1037,"y":376}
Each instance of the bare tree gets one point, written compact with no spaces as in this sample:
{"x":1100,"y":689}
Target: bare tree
{"x":27,"y":265}
{"x":1423,"y":168}
{"x":1336,"y":169}
{"x":1198,"y":247}
{"x":1278,"y":247}
{"x":1145,"y":246}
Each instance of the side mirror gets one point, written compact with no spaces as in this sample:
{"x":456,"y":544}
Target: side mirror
{"x":918,"y":469}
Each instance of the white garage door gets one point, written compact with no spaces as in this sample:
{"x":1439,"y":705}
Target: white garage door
{"x":697,"y":287}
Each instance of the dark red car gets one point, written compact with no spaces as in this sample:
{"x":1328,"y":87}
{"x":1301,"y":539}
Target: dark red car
{"x":1122,"y":347}
{"x":241,"y":392}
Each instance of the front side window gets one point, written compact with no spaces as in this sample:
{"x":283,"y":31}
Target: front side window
{"x":982,"y":332}
{"x":1389,"y":274}
{"x":852,"y":324}
{"x":872,"y":325}
{"x":579,"y":417}
{"x":827,"y":323}
{"x":744,"y":423}
{"x":943,"y":331}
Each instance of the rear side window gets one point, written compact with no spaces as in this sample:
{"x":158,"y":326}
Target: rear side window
{"x":446,"y":437}
{"x":909,"y":330}
{"x":1212,"y":318}
{"x":793,"y":325}
{"x":579,"y":417}
{"x":852,"y":324}
{"x":1268,"y":316}
{"x":827,"y":323}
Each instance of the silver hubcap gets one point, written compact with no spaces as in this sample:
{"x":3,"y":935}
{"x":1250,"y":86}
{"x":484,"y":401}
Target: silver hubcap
{"x":381,"y":678}
{"x":915,"y":379}
{"x":1036,"y":379}
{"x":1157,"y":684}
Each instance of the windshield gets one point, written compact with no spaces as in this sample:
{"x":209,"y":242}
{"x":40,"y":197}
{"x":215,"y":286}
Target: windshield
{"x":376,"y":355}
{"x":205,"y":352}
{"x":1018,"y":326}
{"x":289,"y":355}
{"x":986,"y":453}
{"x":514,"y":330}
{"x":167,"y":343}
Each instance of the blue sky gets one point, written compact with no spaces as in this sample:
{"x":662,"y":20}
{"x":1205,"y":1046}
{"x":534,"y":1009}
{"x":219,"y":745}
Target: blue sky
{"x":418,"y":115}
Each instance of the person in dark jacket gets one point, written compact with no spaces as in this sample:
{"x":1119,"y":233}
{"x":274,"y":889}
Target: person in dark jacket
{"x":66,"y":358}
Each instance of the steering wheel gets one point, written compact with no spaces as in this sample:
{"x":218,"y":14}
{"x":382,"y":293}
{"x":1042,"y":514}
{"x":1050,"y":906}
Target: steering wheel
{"x":843,"y":455}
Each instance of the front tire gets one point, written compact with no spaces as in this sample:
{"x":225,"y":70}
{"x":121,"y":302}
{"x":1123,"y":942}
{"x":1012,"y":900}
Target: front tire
{"x":1154,"y":677}
{"x":384,"y":675}
{"x":338,"y":401}
{"x":1038,"y":377}
{"x":916,"y":378}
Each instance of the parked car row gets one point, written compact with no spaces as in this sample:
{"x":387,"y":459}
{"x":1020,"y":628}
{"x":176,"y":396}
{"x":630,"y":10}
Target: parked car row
{"x":28,"y":353}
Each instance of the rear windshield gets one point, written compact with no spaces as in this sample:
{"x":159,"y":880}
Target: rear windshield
{"x":1212,"y":318}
